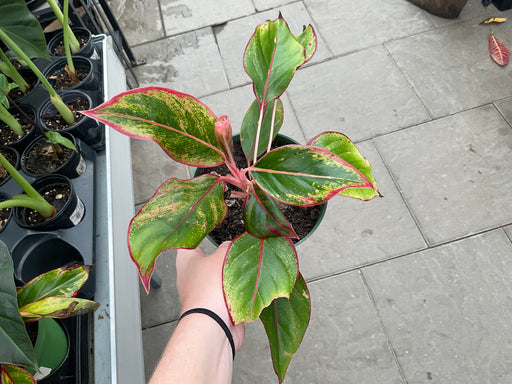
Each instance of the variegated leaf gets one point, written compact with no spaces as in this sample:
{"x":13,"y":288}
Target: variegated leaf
{"x":182,"y":125}
{"x":57,"y":308}
{"x":12,"y":374}
{"x":305,"y":175}
{"x":257,"y":271}
{"x":309,"y":41}
{"x":264,"y":218}
{"x":179,"y":215}
{"x":342,"y":146}
{"x":499,"y":52}
{"x":60,"y":282}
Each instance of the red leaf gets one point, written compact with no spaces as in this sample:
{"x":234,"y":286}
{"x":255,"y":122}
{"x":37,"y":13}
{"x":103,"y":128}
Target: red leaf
{"x":499,"y":53}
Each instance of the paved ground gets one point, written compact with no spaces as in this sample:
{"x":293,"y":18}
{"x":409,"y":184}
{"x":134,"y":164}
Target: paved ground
{"x":412,"y":288}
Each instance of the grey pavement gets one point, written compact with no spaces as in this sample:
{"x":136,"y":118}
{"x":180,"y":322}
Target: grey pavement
{"x":415,"y":287}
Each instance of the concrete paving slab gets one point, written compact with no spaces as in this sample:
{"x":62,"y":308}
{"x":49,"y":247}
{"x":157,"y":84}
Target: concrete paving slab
{"x":354,"y":233}
{"x":149,"y":24}
{"x":354,"y":25}
{"x":454,"y":172}
{"x":449,"y":70}
{"x":508,"y":231}
{"x":181,"y":15}
{"x":236,"y":102}
{"x":262,"y":5}
{"x":505,"y":108}
{"x":234,"y":36}
{"x":154,"y":341}
{"x":343,"y":344}
{"x":362,"y":95}
{"x":189,"y":63}
{"x":151,"y":167}
{"x":447,"y":310}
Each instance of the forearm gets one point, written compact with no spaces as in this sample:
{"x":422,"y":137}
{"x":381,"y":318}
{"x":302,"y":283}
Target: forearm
{"x":197,"y":353}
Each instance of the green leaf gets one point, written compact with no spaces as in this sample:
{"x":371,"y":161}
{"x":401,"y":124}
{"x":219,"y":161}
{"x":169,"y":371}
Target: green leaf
{"x":21,"y":26}
{"x":56,"y":138}
{"x":257,"y":271}
{"x":286,"y":321}
{"x":308,"y":40}
{"x":271,"y":58}
{"x":11,"y":374}
{"x":264,"y":218}
{"x":179,"y":215}
{"x":182,"y":125}
{"x":341,"y":145}
{"x":57,"y":308}
{"x":305,"y":175}
{"x":60,"y":282}
{"x":16,"y":347}
{"x":250,"y":127}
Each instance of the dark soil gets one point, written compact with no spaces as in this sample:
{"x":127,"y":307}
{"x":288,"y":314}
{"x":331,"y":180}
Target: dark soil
{"x":30,"y":78}
{"x":59,"y":49}
{"x":302,"y":219}
{"x":45,"y":158}
{"x":7,"y":136}
{"x":56,"y":194}
{"x":62,"y":79}
{"x":4,"y":216}
{"x":57,"y":123}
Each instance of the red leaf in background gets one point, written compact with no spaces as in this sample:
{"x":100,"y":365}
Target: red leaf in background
{"x":499,"y":53}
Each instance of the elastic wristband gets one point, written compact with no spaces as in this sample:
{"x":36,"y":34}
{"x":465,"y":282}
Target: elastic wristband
{"x":219,"y":321}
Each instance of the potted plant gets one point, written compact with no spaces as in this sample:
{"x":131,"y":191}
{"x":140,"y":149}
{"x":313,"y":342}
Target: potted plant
{"x":261,"y":278}
{"x":51,"y":295}
{"x":449,"y":9}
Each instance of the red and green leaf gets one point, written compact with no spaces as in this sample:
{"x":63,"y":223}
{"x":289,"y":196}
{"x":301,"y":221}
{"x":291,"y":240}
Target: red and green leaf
{"x":224,"y":135}
{"x":12,"y":374}
{"x":271,"y":58}
{"x":179,"y":215}
{"x":286,"y":321}
{"x":182,"y":125}
{"x":60,"y":282}
{"x":342,"y":146}
{"x":15,"y":345}
{"x":499,"y":52}
{"x":263,"y":217}
{"x":309,"y":41}
{"x":250,"y":127}
{"x":57,"y":308}
{"x":305,"y":175}
{"x":257,"y":271}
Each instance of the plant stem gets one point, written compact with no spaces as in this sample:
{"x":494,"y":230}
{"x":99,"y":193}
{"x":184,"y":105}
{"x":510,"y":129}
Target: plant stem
{"x":272,"y":126}
{"x":10,"y":70}
{"x":36,"y":200}
{"x":9,"y":119}
{"x":257,"y":140}
{"x":74,"y":44}
{"x":67,"y":47}
{"x":55,"y":99}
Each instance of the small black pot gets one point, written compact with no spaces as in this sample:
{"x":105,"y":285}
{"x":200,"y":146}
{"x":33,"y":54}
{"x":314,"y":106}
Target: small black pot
{"x":75,"y":166}
{"x":90,"y":82}
{"x":86,"y":129}
{"x":67,"y":216}
{"x":3,"y":197}
{"x":16,"y":164}
{"x":22,"y":142}
{"x":32,"y":80}
{"x":502,"y":5}
{"x":86,"y":51}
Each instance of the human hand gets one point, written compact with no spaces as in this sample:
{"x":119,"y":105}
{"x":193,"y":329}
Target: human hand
{"x":199,"y":282}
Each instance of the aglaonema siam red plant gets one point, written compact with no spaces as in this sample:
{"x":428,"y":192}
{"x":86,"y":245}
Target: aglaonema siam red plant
{"x":261,"y":278}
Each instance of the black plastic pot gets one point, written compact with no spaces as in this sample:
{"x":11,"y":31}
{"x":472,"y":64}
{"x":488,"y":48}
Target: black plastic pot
{"x":86,"y":51}
{"x":449,"y":9}
{"x":90,"y":82}
{"x":4,"y":150}
{"x":22,"y":142}
{"x":3,"y":197}
{"x":32,"y":80}
{"x":75,"y":166}
{"x":86,"y":129}
{"x":502,"y":5}
{"x":67,"y":216}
